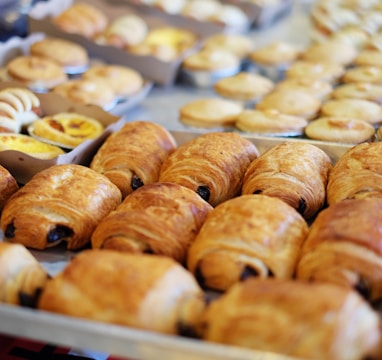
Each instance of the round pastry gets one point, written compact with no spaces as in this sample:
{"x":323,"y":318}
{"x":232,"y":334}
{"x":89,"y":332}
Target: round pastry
{"x":291,"y":102}
{"x":67,"y":129}
{"x":82,"y":18}
{"x":36,"y":72}
{"x":123,"y":80}
{"x":71,"y":56}
{"x":29,"y":145}
{"x":238,"y":44}
{"x":322,"y":70}
{"x":359,"y":109}
{"x":340,"y":129}
{"x":333,"y":51}
{"x":318,"y":88}
{"x":361,"y":90}
{"x":364,"y":73}
{"x":210,"y":113}
{"x":353,"y":36}
{"x":87,"y":91}
{"x":201,"y":9}
{"x":232,"y":17}
{"x":8,"y":186}
{"x":369,"y":58}
{"x":124,"y":31}
{"x":244,"y":86}
{"x":271,"y":123}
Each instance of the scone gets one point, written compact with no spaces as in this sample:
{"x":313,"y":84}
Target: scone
{"x":291,"y":102}
{"x":67,"y":129}
{"x":28,"y":145}
{"x":72,"y":56}
{"x":210,"y":113}
{"x":36,"y":72}
{"x":339,"y":129}
{"x":248,"y":236}
{"x":296,"y":172}
{"x":68,"y":200}
{"x":87,"y":91}
{"x":166,"y":299}
{"x":317,"y":87}
{"x":22,"y":277}
{"x":123,"y":80}
{"x":270,"y":123}
{"x":244,"y":86}
{"x":359,"y":109}
{"x":212,"y":164}
{"x":361,"y":90}
{"x":363,"y":74}
{"x":83,"y":19}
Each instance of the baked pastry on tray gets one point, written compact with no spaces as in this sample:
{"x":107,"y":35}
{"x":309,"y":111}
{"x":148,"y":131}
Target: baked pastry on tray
{"x":212,"y":164}
{"x":248,"y":236}
{"x":294,"y":318}
{"x":60,"y":203}
{"x":22,"y":277}
{"x":296,"y":172}
{"x":160,"y":218}
{"x":343,"y":247}
{"x":133,"y":155}
{"x":142,"y":291}
{"x":8,"y":186}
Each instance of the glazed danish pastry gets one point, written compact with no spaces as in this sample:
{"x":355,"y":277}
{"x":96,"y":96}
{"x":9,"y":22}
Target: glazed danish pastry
{"x":165,"y":299}
{"x":323,"y":321}
{"x":356,"y":174}
{"x":22,"y":277}
{"x":296,"y":172}
{"x":250,"y":235}
{"x":133,"y":155}
{"x":344,"y":247}
{"x":61,"y":203}
{"x":212,"y":164}
{"x":160,"y":218}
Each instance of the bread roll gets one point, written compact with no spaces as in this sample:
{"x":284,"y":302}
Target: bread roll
{"x":296,"y":172}
{"x":60,"y":203}
{"x":293,"y":318}
{"x":22,"y":277}
{"x":344,"y":247}
{"x":213,"y":165}
{"x":142,"y":291}
{"x":160,"y":218}
{"x":251,"y":235}
{"x":133,"y":156}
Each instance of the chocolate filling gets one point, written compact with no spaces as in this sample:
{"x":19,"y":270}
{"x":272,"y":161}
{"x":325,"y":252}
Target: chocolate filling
{"x":10,"y":230}
{"x":136,"y":182}
{"x":301,"y":206}
{"x":60,"y":232}
{"x":204,"y":192}
{"x":363,"y":288}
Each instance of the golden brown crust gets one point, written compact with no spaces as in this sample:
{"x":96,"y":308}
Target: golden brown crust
{"x":250,"y":235}
{"x":22,"y":277}
{"x":344,"y":247}
{"x":160,"y":218}
{"x":8,"y":186}
{"x":60,"y":203}
{"x":361,"y":90}
{"x":296,"y":172}
{"x":340,"y":324}
{"x":356,"y":174}
{"x":142,"y":291}
{"x":130,"y":164}
{"x":213,"y":165}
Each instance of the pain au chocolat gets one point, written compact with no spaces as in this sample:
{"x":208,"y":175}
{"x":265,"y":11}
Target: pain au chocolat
{"x":142,"y":291}
{"x":296,"y":172}
{"x":212,"y":164}
{"x":159,"y":218}
{"x":133,"y":155}
{"x":60,"y":203}
{"x":248,"y":236}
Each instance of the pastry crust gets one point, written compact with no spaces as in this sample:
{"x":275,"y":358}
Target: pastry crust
{"x":356,"y":174}
{"x":165,"y":299}
{"x":343,"y":247}
{"x":296,"y":172}
{"x":67,"y":129}
{"x":8,"y":186}
{"x":133,"y":163}
{"x":360,"y":90}
{"x":160,"y":218}
{"x":60,"y":203}
{"x":250,"y":235}
{"x":317,"y":87}
{"x":212,"y":164}
{"x":340,"y":324}
{"x":22,"y":277}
